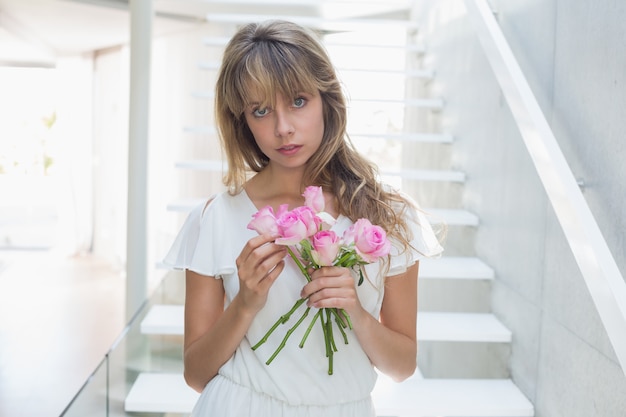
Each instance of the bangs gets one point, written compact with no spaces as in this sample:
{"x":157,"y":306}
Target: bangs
{"x":269,"y":69}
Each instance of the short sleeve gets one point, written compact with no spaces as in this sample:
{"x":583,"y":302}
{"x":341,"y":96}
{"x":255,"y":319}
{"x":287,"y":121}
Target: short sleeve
{"x":201,"y":244}
{"x":424,"y":242}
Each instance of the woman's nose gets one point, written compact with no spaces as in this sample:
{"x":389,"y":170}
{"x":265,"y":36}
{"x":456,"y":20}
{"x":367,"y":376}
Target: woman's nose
{"x":284,"y":126}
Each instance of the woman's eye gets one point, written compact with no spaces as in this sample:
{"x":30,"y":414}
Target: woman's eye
{"x":299,"y":102}
{"x":259,"y":112}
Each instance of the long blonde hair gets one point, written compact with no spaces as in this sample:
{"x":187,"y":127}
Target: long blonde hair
{"x":279,"y":57}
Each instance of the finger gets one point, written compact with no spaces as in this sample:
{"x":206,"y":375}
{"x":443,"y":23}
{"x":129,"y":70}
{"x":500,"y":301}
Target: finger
{"x":322,"y":283}
{"x":258,"y":249}
{"x":268,"y":261}
{"x":255,"y":243}
{"x":271,"y":277}
{"x":332,"y":297}
{"x":329,"y":271}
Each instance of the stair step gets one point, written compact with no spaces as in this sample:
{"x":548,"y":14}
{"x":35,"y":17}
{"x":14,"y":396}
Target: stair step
{"x":435,"y":104}
{"x":413,"y":174}
{"x":407,"y":137}
{"x":461,"y":327}
{"x":449,"y":267}
{"x":404,"y":137}
{"x":201,"y":129}
{"x":221,"y":41}
{"x":436,"y":216}
{"x":418,"y":49}
{"x":427,"y":103}
{"x":160,"y":393}
{"x":450,"y":397}
{"x":203,"y":165}
{"x":452,"y":217}
{"x":424,"y":74}
{"x":455,"y":268}
{"x":314,"y":22}
{"x":425,"y":174}
{"x":415,"y":397}
{"x":165,"y":319}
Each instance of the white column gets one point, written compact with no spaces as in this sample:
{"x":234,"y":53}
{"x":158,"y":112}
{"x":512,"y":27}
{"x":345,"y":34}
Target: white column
{"x":139,"y":110}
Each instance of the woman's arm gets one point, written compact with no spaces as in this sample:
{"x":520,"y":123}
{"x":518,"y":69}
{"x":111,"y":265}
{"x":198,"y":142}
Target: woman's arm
{"x":213,"y":333}
{"x":390,"y":343}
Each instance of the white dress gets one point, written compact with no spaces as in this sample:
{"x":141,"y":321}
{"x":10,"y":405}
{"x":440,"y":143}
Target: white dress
{"x":296,"y":383}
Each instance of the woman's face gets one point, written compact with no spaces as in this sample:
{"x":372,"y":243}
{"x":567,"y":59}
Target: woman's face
{"x":290,"y":133}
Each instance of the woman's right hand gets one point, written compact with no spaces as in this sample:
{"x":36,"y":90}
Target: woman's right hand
{"x":258,"y":265}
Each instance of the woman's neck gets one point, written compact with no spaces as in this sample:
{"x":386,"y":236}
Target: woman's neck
{"x":275,"y":187}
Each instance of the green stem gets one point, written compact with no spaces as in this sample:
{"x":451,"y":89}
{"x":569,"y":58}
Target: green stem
{"x":297,"y":261}
{"x":281,"y":320}
{"x":331,"y":343}
{"x":329,"y":324}
{"x":326,"y":341}
{"x":347,"y":317}
{"x":340,"y":320}
{"x":341,"y":261}
{"x":284,"y":341}
{"x":343,"y":333}
{"x":308,"y":330}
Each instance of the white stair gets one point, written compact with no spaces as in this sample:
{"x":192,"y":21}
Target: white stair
{"x":415,"y":397}
{"x":436,"y":216}
{"x":164,"y":319}
{"x":450,"y":398}
{"x":414,"y":174}
{"x":315,"y":22}
{"x":424,"y":74}
{"x":404,"y":137}
{"x":461,"y":327}
{"x":453,"y":217}
{"x":160,"y":393}
{"x":221,"y":41}
{"x":427,"y":103}
{"x":432,"y":326}
{"x":449,"y":267}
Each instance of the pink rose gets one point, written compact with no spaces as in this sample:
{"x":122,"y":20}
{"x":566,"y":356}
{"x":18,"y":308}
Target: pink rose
{"x":264,"y":221}
{"x":296,"y":225}
{"x":314,"y":198}
{"x":370,"y":241}
{"x":326,"y":246}
{"x":308,"y":217}
{"x":291,"y":229}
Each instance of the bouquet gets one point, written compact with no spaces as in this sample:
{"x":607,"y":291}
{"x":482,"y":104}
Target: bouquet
{"x":310,"y":243}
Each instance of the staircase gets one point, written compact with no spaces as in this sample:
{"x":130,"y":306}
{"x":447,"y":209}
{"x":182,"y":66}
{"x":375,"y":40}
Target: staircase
{"x":455,"y":325}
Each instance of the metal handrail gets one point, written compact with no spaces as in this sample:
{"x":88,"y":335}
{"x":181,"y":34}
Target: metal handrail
{"x":597,"y":265}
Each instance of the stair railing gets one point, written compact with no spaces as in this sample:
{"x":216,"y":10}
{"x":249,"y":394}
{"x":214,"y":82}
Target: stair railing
{"x":597,"y":265}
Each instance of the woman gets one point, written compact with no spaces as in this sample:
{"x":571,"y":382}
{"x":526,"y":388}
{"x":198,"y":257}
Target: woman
{"x":281,"y":115}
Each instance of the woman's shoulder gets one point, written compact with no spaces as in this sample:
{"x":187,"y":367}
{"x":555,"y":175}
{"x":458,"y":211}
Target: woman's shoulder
{"x":222,"y":202}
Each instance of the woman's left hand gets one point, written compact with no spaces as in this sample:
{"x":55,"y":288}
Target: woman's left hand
{"x":332,"y":286}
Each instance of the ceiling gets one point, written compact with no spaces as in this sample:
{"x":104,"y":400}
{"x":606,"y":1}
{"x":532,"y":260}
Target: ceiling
{"x":35,"y":32}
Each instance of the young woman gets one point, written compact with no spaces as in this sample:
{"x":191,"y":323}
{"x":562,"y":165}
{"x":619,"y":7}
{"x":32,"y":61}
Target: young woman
{"x":281,"y":116}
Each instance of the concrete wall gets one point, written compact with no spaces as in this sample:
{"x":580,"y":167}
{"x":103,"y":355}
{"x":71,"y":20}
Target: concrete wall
{"x":572,"y":54}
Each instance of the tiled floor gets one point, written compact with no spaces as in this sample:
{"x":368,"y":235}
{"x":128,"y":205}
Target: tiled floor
{"x":58,"y":318}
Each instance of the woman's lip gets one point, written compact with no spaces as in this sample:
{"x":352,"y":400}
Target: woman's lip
{"x":289,"y":150}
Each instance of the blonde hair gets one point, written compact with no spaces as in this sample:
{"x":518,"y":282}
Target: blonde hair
{"x":279,"y":57}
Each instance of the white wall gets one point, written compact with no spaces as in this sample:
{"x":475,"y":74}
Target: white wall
{"x":570,"y":51}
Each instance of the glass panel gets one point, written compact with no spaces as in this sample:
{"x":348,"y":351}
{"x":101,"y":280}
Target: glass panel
{"x":93,"y":398}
